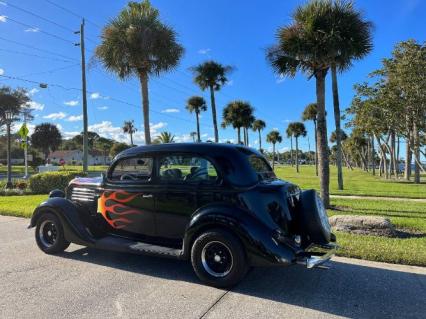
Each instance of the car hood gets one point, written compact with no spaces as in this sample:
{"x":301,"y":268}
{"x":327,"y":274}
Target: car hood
{"x":87,"y":181}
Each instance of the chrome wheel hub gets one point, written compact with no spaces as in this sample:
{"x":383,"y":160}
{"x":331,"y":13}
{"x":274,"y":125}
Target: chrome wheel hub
{"x":48,"y":233}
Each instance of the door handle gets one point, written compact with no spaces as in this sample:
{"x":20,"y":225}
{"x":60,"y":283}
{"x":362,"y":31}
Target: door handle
{"x":147,"y":196}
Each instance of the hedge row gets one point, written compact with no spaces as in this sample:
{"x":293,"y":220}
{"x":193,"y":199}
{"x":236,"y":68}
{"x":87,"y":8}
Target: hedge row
{"x":43,"y":183}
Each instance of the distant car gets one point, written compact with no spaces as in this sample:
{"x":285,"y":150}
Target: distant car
{"x":219,"y":205}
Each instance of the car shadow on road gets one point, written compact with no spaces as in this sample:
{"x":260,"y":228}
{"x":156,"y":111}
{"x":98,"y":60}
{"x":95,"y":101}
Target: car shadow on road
{"x":348,"y":290}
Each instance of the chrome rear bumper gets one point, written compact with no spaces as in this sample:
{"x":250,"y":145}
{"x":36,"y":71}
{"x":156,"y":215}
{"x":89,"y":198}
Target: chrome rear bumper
{"x":315,"y":255}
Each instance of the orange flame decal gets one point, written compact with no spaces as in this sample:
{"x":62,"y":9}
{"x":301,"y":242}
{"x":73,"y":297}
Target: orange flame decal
{"x":111,"y":206}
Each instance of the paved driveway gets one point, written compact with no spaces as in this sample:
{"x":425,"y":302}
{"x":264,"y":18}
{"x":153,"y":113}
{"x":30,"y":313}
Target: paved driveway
{"x":86,"y":283}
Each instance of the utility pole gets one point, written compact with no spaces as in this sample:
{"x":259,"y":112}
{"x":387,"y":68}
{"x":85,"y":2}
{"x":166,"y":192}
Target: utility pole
{"x":83,"y":81}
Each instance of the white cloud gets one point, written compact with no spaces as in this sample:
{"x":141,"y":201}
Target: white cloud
{"x":59,"y":126}
{"x":32,"y":91}
{"x":183,"y":138}
{"x":35,"y":106}
{"x":275,"y":129}
{"x":3,"y":18}
{"x":71,"y":103}
{"x":97,"y":95}
{"x":3,"y":3}
{"x":230,"y":83}
{"x":280,"y":79}
{"x":204,"y":51}
{"x":154,"y":127}
{"x":102,"y":108}
{"x":55,"y":116}
{"x":1,"y":71}
{"x":170,"y":111}
{"x":69,"y":135}
{"x":75,"y":118}
{"x":34,"y":30}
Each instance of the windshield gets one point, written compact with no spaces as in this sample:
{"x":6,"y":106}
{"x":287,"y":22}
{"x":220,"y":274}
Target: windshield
{"x":261,"y":167}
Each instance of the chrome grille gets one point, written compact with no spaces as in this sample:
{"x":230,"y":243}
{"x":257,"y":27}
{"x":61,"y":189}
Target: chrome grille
{"x":81,"y":194}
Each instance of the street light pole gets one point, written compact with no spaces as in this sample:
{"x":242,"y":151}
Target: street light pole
{"x":9,"y":117}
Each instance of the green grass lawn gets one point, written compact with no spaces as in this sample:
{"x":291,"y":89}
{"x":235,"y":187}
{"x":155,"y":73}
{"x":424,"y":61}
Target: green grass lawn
{"x":20,"y":169}
{"x":356,"y":182}
{"x":20,"y":206}
{"x":405,"y":215}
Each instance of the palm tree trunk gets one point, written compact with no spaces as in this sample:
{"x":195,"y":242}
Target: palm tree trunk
{"x":143,"y":77}
{"x":323,"y":161}
{"x":245,"y":135}
{"x":297,"y":154}
{"x":398,"y":148}
{"x":260,"y":141}
{"x":216,"y":133}
{"x":291,"y":150}
{"x":338,"y":129}
{"x":131,"y":138}
{"x":373,"y":156}
{"x":316,"y":148}
{"x":416,"y":153}
{"x":239,"y":135}
{"x":198,"y":127}
{"x":273,"y":156}
{"x":247,"y":138}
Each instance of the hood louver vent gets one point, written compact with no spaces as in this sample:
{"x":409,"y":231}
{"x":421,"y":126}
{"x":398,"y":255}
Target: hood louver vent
{"x":81,"y":194}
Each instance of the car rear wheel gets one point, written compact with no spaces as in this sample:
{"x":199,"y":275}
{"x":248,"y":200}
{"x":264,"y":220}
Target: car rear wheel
{"x":49,"y":234}
{"x":219,"y":259}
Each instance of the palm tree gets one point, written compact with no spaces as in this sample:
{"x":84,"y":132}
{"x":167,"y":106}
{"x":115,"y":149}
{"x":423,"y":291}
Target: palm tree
{"x":196,"y":104}
{"x":137,"y":43}
{"x":238,"y":114}
{"x":304,"y":46}
{"x":193,"y":135}
{"x":297,"y":130}
{"x":259,"y":126}
{"x":211,"y":75}
{"x":351,"y":40}
{"x":129,"y":128}
{"x":273,"y":137}
{"x":290,"y":135}
{"x":310,"y":114}
{"x":164,"y":137}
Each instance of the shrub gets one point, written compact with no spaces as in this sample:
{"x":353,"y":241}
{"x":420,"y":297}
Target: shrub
{"x":43,"y":183}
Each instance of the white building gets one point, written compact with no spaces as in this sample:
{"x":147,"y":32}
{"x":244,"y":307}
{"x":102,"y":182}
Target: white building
{"x":75,"y":157}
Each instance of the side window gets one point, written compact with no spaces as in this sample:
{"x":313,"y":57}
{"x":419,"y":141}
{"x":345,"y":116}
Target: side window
{"x":133,"y":169}
{"x":187,"y":169}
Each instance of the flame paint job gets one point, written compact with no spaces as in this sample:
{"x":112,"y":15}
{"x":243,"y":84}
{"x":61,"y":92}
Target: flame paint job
{"x":114,"y":207}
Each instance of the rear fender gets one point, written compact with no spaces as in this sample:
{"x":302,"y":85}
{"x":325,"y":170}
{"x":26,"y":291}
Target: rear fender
{"x":75,"y":231}
{"x":256,"y":237}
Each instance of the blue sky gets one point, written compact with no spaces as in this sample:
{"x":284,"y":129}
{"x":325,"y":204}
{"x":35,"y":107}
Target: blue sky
{"x":232,"y":32}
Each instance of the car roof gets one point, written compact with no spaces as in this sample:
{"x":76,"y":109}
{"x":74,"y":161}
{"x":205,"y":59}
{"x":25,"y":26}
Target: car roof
{"x":208,"y":148}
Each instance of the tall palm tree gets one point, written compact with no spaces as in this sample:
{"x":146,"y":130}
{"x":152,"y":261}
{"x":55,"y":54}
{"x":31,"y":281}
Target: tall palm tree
{"x":289,"y":133}
{"x":129,"y":128}
{"x":310,"y":114}
{"x":164,"y":137}
{"x":193,"y":135}
{"x":351,"y":39}
{"x":238,"y":114}
{"x":297,"y":130}
{"x":304,"y":46}
{"x":259,"y":126}
{"x":196,"y":104}
{"x":211,"y":75}
{"x":137,"y":43}
{"x":273,"y":137}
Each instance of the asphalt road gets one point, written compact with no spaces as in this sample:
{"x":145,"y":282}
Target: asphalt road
{"x":88,"y":283}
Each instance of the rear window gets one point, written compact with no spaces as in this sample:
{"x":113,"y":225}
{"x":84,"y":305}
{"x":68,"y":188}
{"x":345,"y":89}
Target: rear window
{"x":261,"y":167}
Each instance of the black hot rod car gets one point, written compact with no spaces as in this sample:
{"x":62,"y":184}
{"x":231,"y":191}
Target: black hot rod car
{"x":219,"y":205}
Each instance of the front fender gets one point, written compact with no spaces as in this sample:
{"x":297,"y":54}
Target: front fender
{"x":67,"y":212}
{"x":256,"y":237}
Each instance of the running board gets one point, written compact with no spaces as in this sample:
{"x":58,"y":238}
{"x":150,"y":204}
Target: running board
{"x":136,"y":247}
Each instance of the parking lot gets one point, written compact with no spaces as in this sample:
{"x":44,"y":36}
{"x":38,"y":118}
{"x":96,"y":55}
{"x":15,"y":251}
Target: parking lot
{"x":87,"y":283}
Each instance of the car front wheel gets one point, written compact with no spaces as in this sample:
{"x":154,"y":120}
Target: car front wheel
{"x":219,"y":259}
{"x":49,"y":234}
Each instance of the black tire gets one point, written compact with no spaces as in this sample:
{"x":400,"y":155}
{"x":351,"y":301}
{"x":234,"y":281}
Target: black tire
{"x":312,"y":212}
{"x":223,"y":273}
{"x":49,"y":234}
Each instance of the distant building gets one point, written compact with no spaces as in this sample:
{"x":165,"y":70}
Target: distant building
{"x":75,"y":157}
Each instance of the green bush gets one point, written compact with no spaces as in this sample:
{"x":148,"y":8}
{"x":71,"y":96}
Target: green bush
{"x":43,"y":183}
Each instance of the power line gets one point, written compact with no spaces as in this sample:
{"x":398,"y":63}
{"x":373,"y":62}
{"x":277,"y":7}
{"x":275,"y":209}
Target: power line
{"x":38,"y":49}
{"x":34,"y":55}
{"x":39,"y":30}
{"x":72,"y":13}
